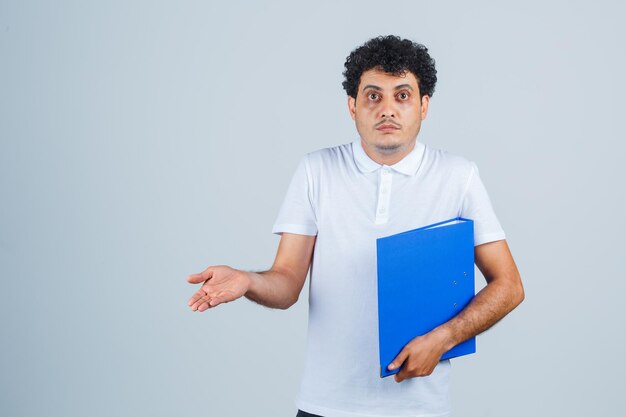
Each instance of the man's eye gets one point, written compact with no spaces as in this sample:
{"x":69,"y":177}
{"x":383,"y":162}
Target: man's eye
{"x":403,"y":96}
{"x":373,"y":96}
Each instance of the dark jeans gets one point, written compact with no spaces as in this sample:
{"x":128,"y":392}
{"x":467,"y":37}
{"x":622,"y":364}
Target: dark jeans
{"x":305,"y":414}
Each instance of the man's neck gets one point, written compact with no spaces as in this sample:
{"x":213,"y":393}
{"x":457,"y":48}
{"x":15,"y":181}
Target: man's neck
{"x":391,"y":157}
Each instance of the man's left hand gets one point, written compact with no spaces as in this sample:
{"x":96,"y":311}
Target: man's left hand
{"x":420,"y":356}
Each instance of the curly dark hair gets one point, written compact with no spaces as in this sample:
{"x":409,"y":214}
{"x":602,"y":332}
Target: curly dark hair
{"x":395,"y":56}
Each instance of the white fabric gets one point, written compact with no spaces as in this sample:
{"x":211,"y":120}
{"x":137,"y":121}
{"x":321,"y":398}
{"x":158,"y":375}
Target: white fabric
{"x":348,"y":200}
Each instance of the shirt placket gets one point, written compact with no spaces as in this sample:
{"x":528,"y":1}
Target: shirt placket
{"x":384,"y":194}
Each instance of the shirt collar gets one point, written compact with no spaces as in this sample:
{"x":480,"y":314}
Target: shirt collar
{"x":407,"y":165}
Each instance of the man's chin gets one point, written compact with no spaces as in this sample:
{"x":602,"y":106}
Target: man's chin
{"x":388,"y":147}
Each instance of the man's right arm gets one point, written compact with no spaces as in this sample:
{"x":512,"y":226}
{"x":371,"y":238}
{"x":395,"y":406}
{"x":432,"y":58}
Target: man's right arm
{"x":277,"y":288}
{"x":280,"y":287}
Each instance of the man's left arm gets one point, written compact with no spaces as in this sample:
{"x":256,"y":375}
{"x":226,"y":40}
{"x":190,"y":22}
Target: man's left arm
{"x":504,"y":292}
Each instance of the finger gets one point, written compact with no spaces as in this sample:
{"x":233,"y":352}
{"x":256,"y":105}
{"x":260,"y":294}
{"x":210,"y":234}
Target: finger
{"x":399,"y":360}
{"x":201,"y":277}
{"x":404,"y":372}
{"x":202,"y":299}
{"x":217,"y":299}
{"x":209,"y":300}
{"x":204,"y":305}
{"x":198,"y":295}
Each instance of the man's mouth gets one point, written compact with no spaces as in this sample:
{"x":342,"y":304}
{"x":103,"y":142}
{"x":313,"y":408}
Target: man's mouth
{"x":387,"y":128}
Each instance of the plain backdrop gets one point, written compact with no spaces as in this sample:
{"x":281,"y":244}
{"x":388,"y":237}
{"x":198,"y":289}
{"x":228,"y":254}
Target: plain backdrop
{"x":144,"y":141}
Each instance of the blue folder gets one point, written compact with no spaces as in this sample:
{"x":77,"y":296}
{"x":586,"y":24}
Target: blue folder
{"x":425,"y":278}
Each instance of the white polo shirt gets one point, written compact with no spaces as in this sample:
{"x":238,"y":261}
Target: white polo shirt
{"x":348,"y":201}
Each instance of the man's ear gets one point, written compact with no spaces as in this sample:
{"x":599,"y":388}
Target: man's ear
{"x":352,"y":107}
{"x":425,"y":103}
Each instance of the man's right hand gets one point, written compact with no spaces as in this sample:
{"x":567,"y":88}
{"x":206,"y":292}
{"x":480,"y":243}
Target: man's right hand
{"x":221,"y":285}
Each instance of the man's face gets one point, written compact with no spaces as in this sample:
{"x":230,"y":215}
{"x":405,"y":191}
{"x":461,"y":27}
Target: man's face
{"x":388,"y":111}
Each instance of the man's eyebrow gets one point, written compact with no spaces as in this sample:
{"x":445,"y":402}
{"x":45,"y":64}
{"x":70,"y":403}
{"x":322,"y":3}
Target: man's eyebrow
{"x":403,"y":86}
{"x":375,"y":87}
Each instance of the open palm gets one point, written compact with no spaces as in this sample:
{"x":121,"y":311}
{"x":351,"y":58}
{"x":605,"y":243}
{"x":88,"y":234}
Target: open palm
{"x":222,"y":284}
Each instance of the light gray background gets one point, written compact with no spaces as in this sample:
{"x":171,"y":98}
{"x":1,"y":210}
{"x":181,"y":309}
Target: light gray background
{"x":144,"y":141}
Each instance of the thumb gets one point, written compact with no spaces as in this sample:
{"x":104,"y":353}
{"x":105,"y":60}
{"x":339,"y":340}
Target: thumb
{"x":399,"y":360}
{"x":201,"y":277}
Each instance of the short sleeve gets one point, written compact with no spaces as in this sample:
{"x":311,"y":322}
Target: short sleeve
{"x":476,"y":206}
{"x":297,"y":214}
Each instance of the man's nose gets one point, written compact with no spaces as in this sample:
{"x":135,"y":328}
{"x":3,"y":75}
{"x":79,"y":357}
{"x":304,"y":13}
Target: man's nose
{"x":387,"y":108}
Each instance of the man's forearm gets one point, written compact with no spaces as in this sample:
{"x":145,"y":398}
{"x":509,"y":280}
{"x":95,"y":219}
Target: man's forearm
{"x":490,"y":305}
{"x":272,"y":289}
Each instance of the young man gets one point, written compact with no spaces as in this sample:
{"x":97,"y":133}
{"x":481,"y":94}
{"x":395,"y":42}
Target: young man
{"x":339,"y":201}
